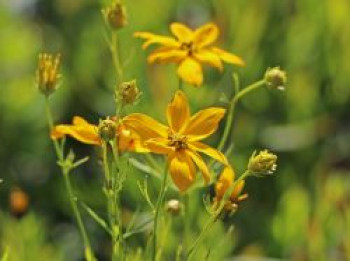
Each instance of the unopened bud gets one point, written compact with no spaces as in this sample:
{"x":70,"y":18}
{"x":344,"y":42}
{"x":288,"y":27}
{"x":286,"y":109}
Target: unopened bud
{"x":276,"y":78}
{"x":173,"y":206}
{"x":115,"y":15}
{"x":107,"y":129}
{"x":47,"y":74}
{"x":263,"y":163}
{"x":128,"y":92}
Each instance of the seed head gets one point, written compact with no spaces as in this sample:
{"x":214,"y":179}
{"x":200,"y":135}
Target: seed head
{"x":107,"y":129}
{"x":128,"y":92}
{"x":115,"y":15}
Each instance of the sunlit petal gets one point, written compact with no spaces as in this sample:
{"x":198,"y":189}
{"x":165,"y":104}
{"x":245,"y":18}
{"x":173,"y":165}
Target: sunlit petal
{"x":182,"y":170}
{"x":206,"y":35}
{"x":145,"y":126}
{"x":81,"y":130}
{"x":208,"y":57}
{"x":167,"y":55}
{"x":207,"y":150}
{"x":204,"y":123}
{"x":198,"y":160}
{"x":190,"y":71}
{"x":178,"y":111}
{"x":130,"y":140}
{"x":159,"y":145}
{"x":157,"y":39}
{"x":228,"y":57}
{"x":182,"y":32}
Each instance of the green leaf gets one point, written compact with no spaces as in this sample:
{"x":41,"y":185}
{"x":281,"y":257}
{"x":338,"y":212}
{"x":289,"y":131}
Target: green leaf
{"x":100,"y":221}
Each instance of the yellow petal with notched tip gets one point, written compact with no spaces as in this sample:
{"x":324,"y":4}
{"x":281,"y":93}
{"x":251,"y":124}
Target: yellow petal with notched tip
{"x":207,"y":150}
{"x":190,"y":71}
{"x":205,"y":35}
{"x":182,"y":170}
{"x":228,"y":57}
{"x":182,"y":32}
{"x":198,"y":160}
{"x":204,"y":123}
{"x":178,"y":111}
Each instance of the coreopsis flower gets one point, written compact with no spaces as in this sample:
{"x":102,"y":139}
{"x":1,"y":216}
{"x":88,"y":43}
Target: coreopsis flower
{"x":262,"y":164}
{"x":88,"y":133}
{"x":181,"y":140}
{"x":224,"y":182}
{"x":189,"y":49}
{"x":19,"y":202}
{"x":47,"y":74}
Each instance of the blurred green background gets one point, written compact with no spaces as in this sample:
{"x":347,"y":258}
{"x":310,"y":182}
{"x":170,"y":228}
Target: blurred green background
{"x":302,"y":213}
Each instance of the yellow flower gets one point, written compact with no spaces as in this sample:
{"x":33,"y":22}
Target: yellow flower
{"x":224,"y":182}
{"x":85,"y":132}
{"x":189,"y":49}
{"x":47,"y":74}
{"x":181,"y":140}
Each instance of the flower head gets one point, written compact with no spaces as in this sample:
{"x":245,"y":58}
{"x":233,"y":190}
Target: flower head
{"x":224,"y":182}
{"x":181,"y":140}
{"x":263,"y":163}
{"x":189,"y":49}
{"x":115,"y":15}
{"x":47,"y":74}
{"x":85,"y":132}
{"x":128,"y":92}
{"x":19,"y":202}
{"x":276,"y":78}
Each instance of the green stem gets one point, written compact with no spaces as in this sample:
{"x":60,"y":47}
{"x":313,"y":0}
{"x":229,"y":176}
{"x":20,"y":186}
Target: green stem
{"x":116,"y":58}
{"x":216,"y":215}
{"x":231,"y":110}
{"x":65,"y":171}
{"x":180,"y":84}
{"x":157,"y":211}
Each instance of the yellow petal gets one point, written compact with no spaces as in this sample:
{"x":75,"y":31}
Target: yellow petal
{"x":182,"y":170}
{"x":190,"y":71}
{"x":204,"y":123}
{"x":81,"y":130}
{"x":178,"y":111}
{"x":166,"y":55}
{"x":182,"y":32}
{"x":145,"y":126}
{"x":198,"y":160}
{"x":224,"y":182}
{"x":228,"y":57}
{"x":205,"y":35}
{"x":207,"y":150}
{"x":159,"y":145}
{"x":157,"y":39}
{"x":130,"y":140}
{"x":208,"y":57}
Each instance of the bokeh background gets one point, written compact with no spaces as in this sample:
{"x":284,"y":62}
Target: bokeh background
{"x":301,"y":213}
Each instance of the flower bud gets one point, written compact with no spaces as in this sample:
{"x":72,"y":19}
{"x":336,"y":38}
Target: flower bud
{"x":115,"y":15}
{"x":47,"y":74}
{"x":19,"y":202}
{"x":263,"y":163}
{"x":173,"y":206}
{"x":276,"y":78}
{"x":107,"y":129}
{"x":128,"y":92}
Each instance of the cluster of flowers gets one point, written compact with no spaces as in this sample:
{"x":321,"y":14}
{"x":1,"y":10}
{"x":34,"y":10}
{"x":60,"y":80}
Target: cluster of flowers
{"x":181,"y":139}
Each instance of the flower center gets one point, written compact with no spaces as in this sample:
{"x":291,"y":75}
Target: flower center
{"x":177,"y":140}
{"x":188,"y":46}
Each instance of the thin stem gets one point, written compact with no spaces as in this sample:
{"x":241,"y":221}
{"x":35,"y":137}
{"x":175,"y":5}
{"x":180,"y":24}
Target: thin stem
{"x":116,"y":58}
{"x":216,"y":215}
{"x":65,"y":171}
{"x":156,"y":214}
{"x":231,"y":110}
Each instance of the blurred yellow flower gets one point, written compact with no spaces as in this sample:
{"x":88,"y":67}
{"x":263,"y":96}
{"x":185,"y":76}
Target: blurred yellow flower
{"x":85,"y":132}
{"x":189,"y":49}
{"x":224,"y":182}
{"x":47,"y":74}
{"x":181,"y":140}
